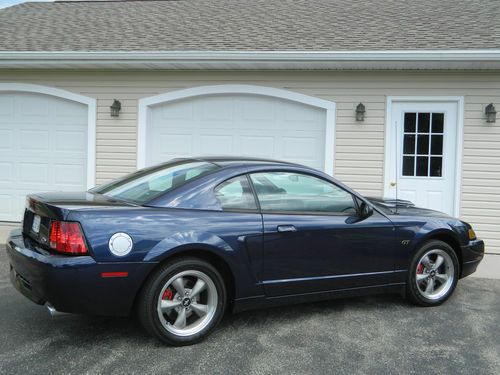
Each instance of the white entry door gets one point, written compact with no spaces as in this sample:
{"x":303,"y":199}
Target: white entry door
{"x":422,"y":157}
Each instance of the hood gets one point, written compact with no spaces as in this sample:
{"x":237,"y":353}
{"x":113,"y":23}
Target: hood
{"x":402,"y":207}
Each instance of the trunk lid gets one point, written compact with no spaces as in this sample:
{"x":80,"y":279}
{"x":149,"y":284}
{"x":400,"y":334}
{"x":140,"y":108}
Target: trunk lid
{"x":43,"y":208}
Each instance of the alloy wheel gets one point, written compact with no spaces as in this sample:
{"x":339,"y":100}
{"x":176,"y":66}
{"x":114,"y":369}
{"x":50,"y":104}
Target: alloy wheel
{"x":435,"y":274}
{"x":187,"y":303}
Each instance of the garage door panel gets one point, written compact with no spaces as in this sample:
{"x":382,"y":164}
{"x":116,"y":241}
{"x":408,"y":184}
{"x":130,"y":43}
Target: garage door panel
{"x":31,"y":106}
{"x":69,"y":111}
{"x":33,"y":140}
{"x":239,"y":124}
{"x":258,"y":110}
{"x":6,"y":174}
{"x":6,"y":139}
{"x":261,"y":127}
{"x":302,"y":113}
{"x":43,"y":147}
{"x":73,"y":141}
{"x":6,"y":106}
{"x":209,"y":143}
{"x":218,"y":109}
{"x":168,"y":146}
{"x":262,"y":145}
{"x":37,"y":173}
{"x":183,"y":110}
{"x":300,"y":147}
{"x":208,"y":125}
{"x":68,"y":175}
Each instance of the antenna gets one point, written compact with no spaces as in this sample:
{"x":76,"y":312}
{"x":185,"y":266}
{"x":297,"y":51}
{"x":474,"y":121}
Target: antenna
{"x":396,"y":158}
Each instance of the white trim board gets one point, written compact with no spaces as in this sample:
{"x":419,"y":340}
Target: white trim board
{"x":459,"y":100}
{"x":402,"y":59}
{"x":394,"y":55}
{"x":91,"y":117}
{"x":146,"y":103}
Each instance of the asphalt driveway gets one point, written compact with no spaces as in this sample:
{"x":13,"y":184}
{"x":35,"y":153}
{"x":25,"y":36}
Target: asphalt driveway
{"x":381,"y":334}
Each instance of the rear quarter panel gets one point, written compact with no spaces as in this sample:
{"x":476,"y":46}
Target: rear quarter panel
{"x":159,"y":233}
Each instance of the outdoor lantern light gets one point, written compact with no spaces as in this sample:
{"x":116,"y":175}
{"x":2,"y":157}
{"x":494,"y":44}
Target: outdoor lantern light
{"x":360,"y":112}
{"x":491,"y":113}
{"x":115,"y":108}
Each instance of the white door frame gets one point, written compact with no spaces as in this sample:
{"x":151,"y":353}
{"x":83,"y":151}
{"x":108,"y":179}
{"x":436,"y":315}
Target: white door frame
{"x":91,"y":117}
{"x":459,"y":100}
{"x":146,"y":103}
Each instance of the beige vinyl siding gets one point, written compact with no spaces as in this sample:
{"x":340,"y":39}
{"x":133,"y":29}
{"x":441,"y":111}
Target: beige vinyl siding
{"x":359,"y":147}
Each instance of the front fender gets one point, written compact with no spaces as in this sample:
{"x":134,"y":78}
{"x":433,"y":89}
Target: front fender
{"x":413,"y":235}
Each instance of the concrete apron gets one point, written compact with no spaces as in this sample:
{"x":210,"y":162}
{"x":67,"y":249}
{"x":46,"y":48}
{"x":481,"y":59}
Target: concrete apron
{"x":5,"y":228}
{"x":489,"y":267}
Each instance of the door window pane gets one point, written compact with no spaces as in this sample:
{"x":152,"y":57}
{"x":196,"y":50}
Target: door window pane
{"x":409,"y":144}
{"x":410,"y":122}
{"x":423,"y":144}
{"x":436,"y":166}
{"x":235,"y":194}
{"x":422,"y":166}
{"x":296,"y":192}
{"x":424,"y":122}
{"x":437,"y":122}
{"x":437,"y":145}
{"x":408,"y":165}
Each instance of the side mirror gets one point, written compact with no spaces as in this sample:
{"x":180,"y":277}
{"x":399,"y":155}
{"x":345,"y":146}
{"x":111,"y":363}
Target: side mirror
{"x":365,"y":210}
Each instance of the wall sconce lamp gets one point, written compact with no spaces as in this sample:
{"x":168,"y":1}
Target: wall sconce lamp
{"x":115,"y":108}
{"x":491,"y":113}
{"x":360,"y":112}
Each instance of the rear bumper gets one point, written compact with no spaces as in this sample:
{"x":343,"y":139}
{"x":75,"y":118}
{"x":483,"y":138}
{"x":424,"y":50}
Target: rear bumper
{"x":73,"y":284}
{"x":472,"y":254}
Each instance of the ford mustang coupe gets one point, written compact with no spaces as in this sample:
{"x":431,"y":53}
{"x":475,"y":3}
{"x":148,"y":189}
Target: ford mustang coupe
{"x":182,"y":242}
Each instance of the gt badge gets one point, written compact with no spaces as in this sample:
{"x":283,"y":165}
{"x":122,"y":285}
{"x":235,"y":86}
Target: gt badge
{"x":120,"y":244}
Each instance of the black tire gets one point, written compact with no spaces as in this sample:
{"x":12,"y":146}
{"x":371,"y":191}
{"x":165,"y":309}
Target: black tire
{"x":414,"y":293}
{"x":147,"y":306}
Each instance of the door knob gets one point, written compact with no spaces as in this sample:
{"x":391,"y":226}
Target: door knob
{"x":393,"y":183}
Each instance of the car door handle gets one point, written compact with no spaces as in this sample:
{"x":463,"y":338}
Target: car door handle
{"x":286,"y":228}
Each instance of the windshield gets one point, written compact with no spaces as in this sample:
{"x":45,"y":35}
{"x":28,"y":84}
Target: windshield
{"x":145,"y":185}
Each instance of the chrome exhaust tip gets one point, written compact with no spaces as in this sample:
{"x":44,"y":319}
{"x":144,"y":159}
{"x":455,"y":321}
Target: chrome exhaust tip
{"x":52,"y":310}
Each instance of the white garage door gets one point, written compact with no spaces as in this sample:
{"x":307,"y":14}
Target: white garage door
{"x":237,"y":124}
{"x":43,"y":147}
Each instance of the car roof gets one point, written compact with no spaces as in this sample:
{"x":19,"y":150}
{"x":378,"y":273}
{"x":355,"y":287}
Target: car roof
{"x":226,"y":161}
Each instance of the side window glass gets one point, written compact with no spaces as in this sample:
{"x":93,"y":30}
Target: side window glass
{"x":296,"y":192}
{"x":235,"y":194}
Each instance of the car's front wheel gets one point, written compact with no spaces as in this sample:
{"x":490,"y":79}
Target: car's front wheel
{"x":182,"y":301}
{"x":433,"y":274}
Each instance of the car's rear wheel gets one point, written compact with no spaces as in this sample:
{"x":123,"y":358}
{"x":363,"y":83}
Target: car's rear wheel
{"x":433,"y":274}
{"x":182,"y":301}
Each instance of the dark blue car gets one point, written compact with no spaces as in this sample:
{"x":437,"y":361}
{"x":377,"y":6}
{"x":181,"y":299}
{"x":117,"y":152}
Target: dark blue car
{"x":182,"y":242}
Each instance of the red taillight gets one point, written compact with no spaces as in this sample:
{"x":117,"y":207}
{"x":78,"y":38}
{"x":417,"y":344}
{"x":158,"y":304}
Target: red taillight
{"x":67,"y":237}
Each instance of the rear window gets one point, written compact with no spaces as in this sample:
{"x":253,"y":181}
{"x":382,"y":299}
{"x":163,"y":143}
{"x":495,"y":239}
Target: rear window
{"x":145,"y":185}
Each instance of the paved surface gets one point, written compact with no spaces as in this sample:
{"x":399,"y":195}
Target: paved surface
{"x":381,"y":334}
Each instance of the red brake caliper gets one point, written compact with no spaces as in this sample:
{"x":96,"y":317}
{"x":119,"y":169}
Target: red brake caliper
{"x":420,"y":269}
{"x":167,"y":294}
